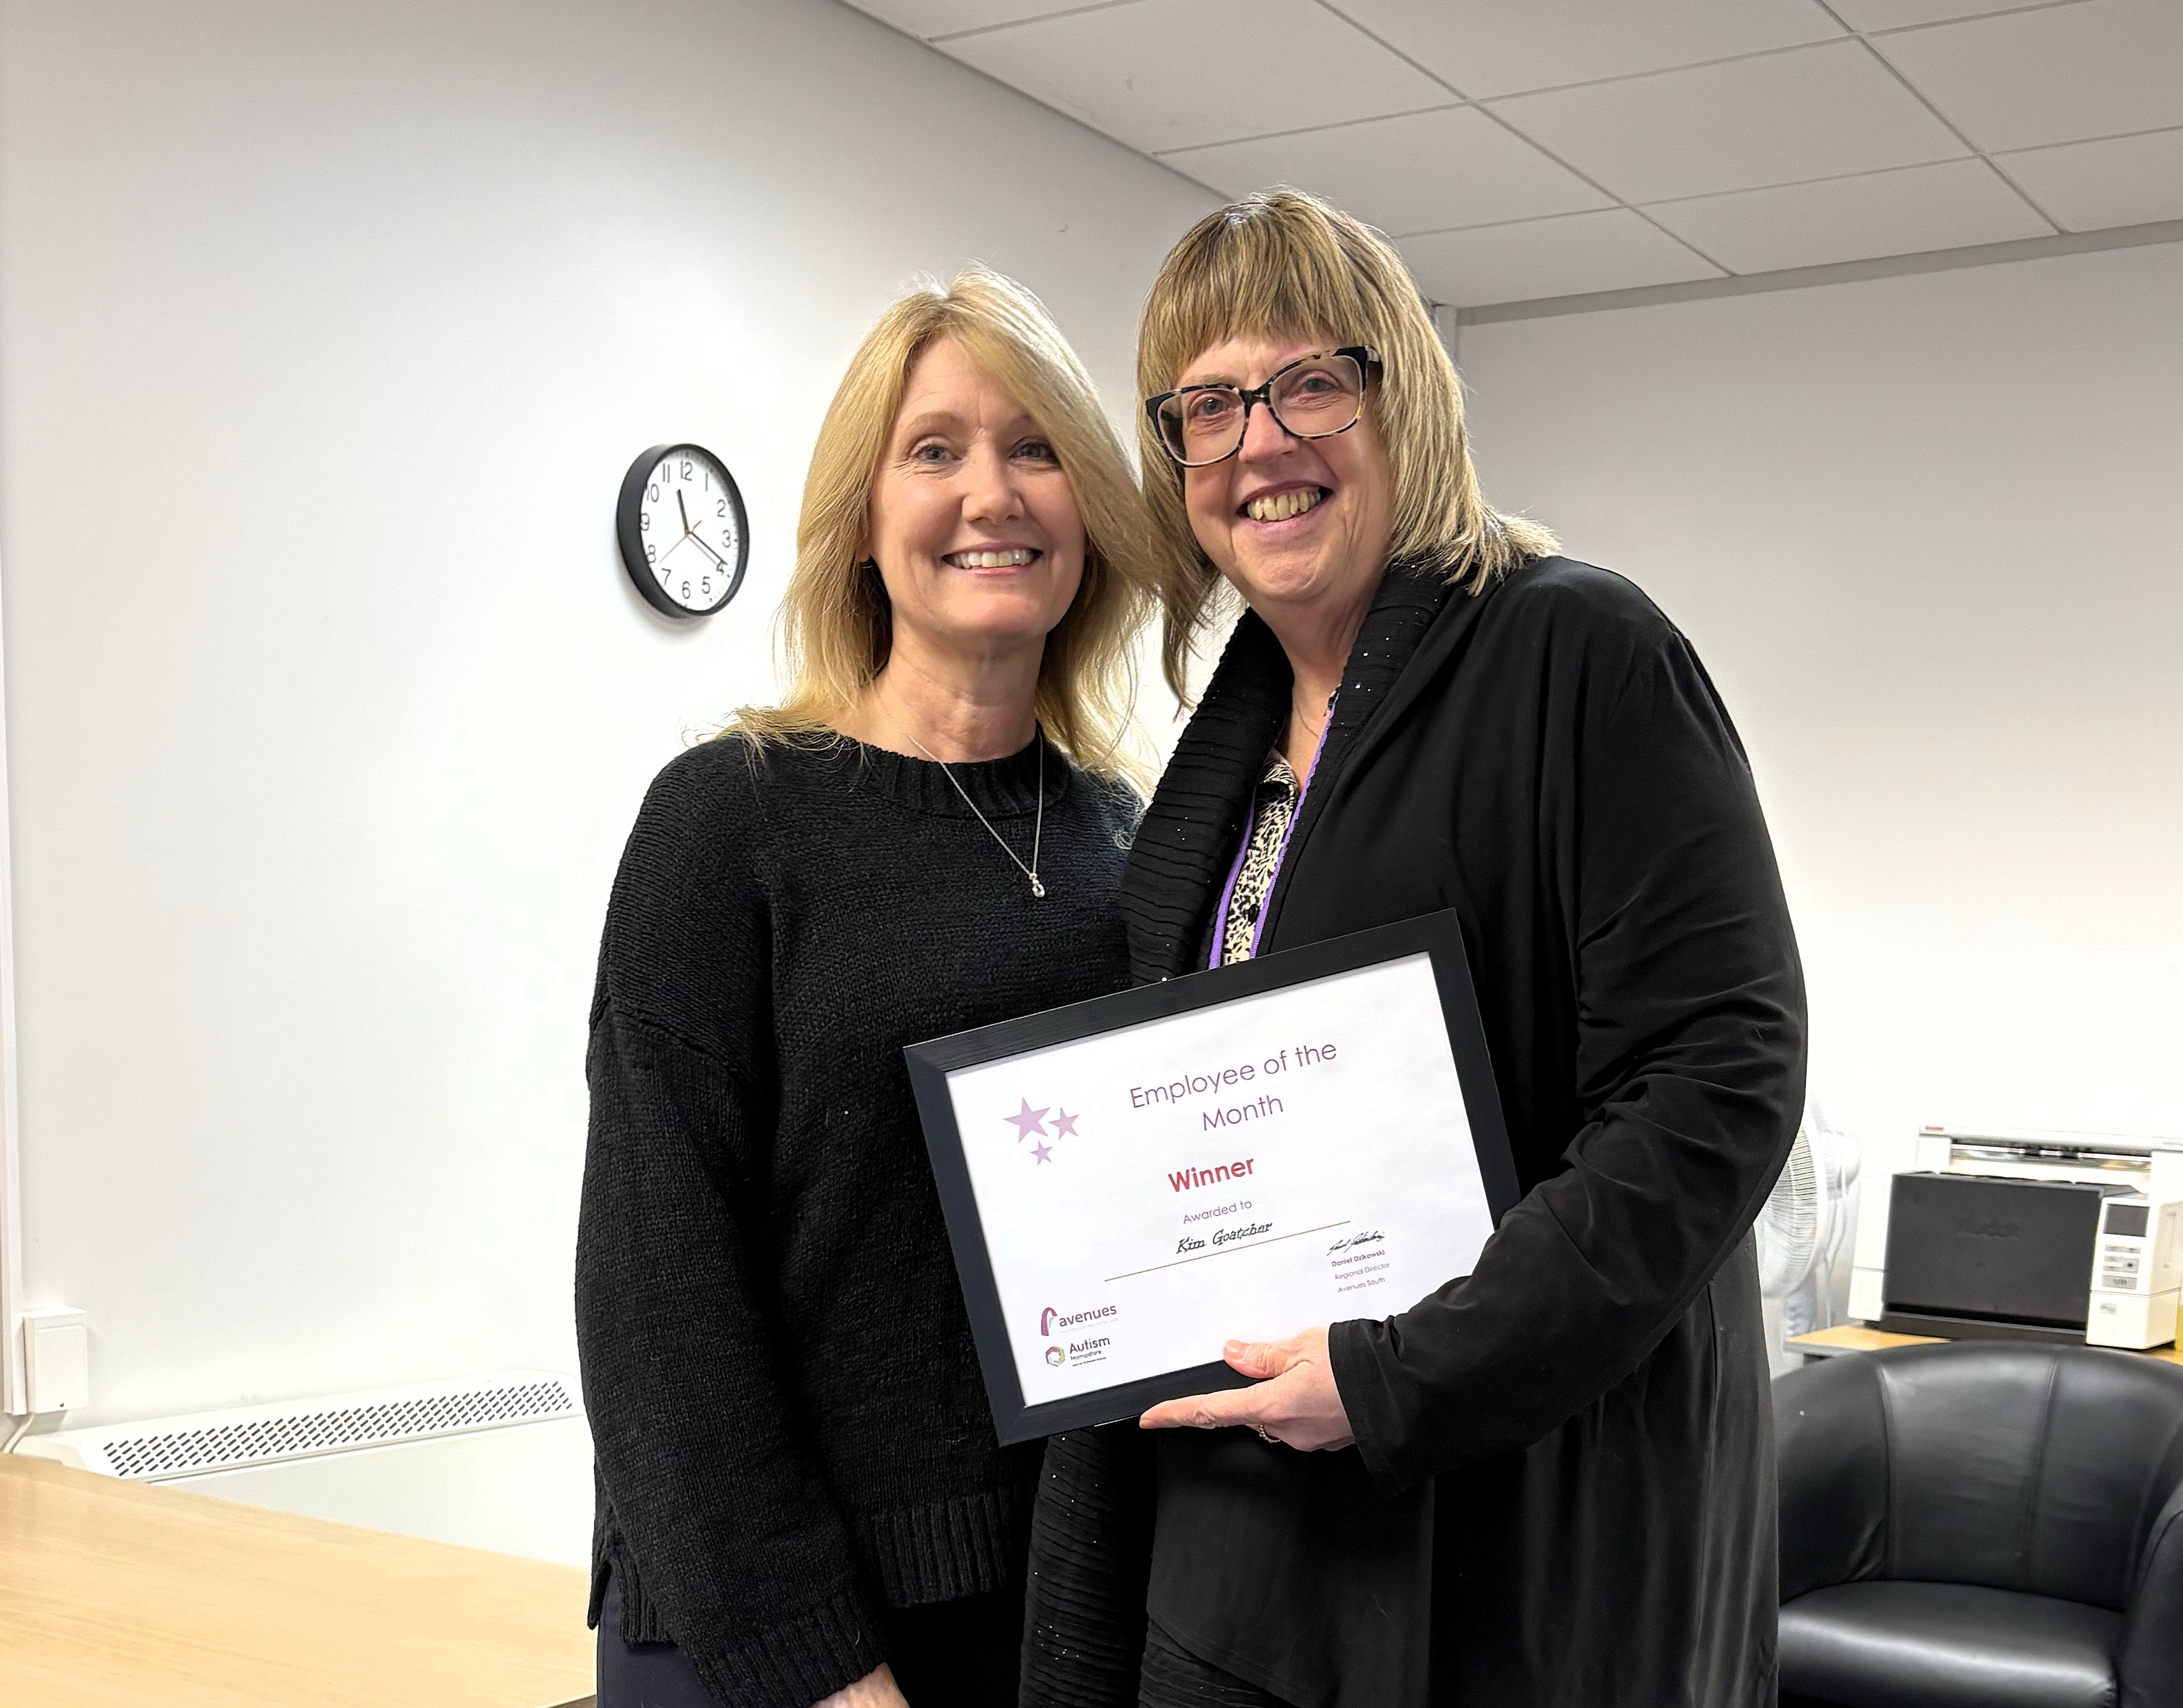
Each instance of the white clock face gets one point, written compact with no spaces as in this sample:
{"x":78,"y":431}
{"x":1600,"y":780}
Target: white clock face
{"x":691,"y":526}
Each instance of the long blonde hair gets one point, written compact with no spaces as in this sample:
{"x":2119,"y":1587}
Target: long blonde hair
{"x":836,"y":624}
{"x":1285,"y":263}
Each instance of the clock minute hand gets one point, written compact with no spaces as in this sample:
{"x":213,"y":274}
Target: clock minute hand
{"x":707,"y":550}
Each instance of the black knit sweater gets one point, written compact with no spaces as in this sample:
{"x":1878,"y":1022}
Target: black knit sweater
{"x":785,"y":1402}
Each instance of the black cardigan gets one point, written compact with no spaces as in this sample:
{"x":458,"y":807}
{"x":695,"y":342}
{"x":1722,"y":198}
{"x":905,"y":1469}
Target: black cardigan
{"x":1562,"y":1490}
{"x":785,"y":1401}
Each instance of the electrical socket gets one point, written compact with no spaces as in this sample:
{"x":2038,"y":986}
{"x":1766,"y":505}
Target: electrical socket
{"x":56,"y":1359}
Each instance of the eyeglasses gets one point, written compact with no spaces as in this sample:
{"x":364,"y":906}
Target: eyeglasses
{"x":1314,"y":396}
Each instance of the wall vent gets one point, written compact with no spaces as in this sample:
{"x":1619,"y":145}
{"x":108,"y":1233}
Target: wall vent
{"x":209,"y":1441}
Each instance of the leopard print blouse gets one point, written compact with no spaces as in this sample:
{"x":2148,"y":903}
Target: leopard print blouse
{"x":1272,"y":808}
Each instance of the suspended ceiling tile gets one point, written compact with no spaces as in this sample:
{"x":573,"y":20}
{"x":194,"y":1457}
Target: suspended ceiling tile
{"x":927,"y":18}
{"x":1170,"y":74}
{"x":1895,"y":14}
{"x":1492,"y":47}
{"x":2058,"y":75}
{"x":1422,"y":172}
{"x":1564,"y":257}
{"x":1904,"y":213}
{"x":2116,"y":181}
{"x":1810,"y":113}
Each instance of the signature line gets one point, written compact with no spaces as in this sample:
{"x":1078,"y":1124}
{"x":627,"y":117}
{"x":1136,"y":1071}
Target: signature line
{"x":1233,"y":1249}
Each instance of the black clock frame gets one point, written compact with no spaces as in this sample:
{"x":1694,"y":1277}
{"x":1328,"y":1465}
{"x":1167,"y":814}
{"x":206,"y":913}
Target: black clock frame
{"x":631,"y":538}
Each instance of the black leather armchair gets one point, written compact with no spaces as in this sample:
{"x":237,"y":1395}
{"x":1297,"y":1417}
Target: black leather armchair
{"x":1984,"y":1524}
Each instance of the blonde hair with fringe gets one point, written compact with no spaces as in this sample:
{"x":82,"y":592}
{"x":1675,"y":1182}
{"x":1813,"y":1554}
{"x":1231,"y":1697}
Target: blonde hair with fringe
{"x":1285,"y":263}
{"x":836,"y":624}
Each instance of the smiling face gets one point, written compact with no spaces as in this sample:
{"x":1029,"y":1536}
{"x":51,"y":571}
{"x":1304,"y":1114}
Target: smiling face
{"x":1296,"y":525}
{"x":973,"y":525}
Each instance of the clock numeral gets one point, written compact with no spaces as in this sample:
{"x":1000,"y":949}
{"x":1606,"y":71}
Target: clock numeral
{"x":651,"y":552}
{"x":705,"y":586}
{"x":687,"y":469}
{"x":685,"y":590}
{"x":721,"y":508}
{"x":652,"y":494}
{"x":644,"y":522}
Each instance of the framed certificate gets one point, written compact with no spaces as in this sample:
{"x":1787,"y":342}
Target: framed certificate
{"x":1242,"y":1153}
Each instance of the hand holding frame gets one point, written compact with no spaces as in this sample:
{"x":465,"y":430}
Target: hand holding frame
{"x":1294,"y":1400}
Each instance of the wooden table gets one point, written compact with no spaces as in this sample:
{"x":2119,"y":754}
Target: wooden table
{"x":1855,"y":1337}
{"x":114,"y":1594}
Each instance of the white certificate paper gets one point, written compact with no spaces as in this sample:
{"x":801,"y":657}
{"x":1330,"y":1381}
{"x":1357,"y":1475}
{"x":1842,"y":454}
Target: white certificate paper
{"x":1245,"y":1169}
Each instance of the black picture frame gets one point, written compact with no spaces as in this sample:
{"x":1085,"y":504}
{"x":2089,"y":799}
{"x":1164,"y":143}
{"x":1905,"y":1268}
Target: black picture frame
{"x":629,"y":537}
{"x":1436,"y":935}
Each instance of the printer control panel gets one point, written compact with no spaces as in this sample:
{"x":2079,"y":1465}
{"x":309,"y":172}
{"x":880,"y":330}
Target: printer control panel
{"x":2122,"y":1247}
{"x":2137,"y":1272}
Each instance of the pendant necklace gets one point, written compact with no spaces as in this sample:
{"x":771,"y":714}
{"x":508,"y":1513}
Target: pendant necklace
{"x":1318,"y":735}
{"x":1038,"y":824}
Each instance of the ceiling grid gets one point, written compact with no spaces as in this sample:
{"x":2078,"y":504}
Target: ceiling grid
{"x":1513,"y":131}
{"x":1835,"y":13}
{"x":1561,"y":149}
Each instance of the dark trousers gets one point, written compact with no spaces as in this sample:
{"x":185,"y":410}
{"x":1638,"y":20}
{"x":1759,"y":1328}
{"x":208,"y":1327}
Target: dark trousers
{"x":1174,"y":1678}
{"x":952,"y":1655}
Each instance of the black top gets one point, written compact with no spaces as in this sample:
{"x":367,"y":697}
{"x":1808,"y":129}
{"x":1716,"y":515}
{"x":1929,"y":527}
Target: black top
{"x":1562,"y":1491}
{"x":785,"y":1402}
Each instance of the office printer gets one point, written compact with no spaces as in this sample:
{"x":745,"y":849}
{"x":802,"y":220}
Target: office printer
{"x":2020,"y":1234}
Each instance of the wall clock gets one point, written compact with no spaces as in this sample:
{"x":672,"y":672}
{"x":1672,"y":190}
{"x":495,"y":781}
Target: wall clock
{"x":684,"y":537}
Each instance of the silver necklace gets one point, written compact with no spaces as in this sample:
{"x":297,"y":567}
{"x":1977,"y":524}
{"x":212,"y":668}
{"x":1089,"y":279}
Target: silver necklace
{"x":1038,"y":824}
{"x":1296,"y":712}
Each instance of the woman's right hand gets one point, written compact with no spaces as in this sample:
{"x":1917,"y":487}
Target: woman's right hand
{"x":875,"y":1689}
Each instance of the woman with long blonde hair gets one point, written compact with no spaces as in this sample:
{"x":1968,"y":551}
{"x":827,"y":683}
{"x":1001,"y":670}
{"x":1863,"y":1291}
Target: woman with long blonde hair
{"x":801,"y":1497}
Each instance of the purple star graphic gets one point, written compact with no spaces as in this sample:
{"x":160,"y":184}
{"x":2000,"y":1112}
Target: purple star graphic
{"x":1064,"y":1124}
{"x":1043,"y":1153}
{"x":1030,"y":1120}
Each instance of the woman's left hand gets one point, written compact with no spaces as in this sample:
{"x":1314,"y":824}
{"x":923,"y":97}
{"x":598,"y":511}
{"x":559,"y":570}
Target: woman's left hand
{"x":1294,"y":1400}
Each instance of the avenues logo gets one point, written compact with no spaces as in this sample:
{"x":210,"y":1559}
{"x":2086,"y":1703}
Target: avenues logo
{"x":1050,"y":1319}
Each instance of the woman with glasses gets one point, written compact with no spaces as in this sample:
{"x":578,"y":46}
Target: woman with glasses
{"x":801,"y":1497}
{"x":1549,"y":1482}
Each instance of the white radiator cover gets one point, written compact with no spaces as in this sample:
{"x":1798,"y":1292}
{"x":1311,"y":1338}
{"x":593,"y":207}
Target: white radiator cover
{"x":500,"y":1461}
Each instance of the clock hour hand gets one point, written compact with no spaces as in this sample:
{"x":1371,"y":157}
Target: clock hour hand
{"x":686,"y":529}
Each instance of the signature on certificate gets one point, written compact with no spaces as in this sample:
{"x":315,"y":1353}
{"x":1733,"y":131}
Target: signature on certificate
{"x":1370,"y":1236}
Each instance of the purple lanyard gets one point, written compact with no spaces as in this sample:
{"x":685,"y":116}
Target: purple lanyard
{"x":1280,"y":854}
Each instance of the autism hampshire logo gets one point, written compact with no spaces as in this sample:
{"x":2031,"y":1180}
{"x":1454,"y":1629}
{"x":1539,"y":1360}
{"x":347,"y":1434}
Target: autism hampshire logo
{"x":1031,"y":1123}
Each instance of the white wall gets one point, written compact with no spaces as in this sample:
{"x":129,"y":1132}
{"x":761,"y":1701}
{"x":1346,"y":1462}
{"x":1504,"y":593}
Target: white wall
{"x":326,"y":333}
{"x":1927,"y":533}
